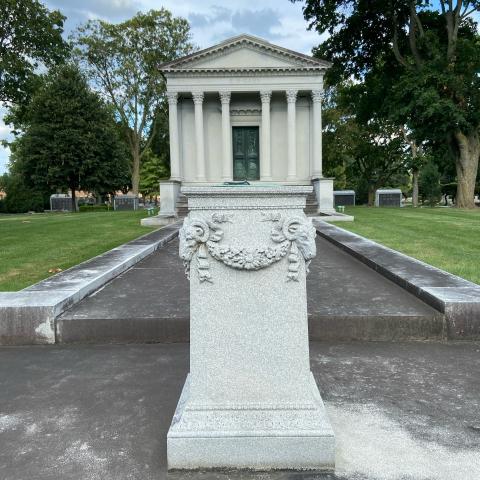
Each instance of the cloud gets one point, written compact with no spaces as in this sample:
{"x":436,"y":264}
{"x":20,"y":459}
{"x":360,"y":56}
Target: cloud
{"x":79,"y":11}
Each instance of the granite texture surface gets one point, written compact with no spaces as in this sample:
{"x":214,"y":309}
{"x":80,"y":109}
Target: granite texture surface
{"x":250,"y":400}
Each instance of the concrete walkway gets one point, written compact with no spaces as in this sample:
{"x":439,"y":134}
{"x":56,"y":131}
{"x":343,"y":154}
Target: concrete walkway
{"x":346,"y":300}
{"x":101,"y":412}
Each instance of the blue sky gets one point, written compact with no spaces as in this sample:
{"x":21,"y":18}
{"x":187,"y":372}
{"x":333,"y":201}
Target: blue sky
{"x":278,"y":21}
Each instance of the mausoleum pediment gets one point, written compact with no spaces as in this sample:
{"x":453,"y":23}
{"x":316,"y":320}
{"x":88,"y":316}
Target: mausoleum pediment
{"x":246,"y":53}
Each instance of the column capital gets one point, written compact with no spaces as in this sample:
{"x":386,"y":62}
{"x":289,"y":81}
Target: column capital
{"x":291,"y":96}
{"x":265,"y":96}
{"x":225,"y":96}
{"x":197,"y":98}
{"x":172,"y":98}
{"x":317,"y":96}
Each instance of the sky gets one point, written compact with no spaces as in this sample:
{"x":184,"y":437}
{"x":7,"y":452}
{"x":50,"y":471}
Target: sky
{"x":211,"y":21}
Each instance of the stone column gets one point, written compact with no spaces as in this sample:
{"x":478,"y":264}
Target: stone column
{"x":317,"y":134}
{"x":227,"y":166}
{"x":291,"y":134}
{"x":199,"y":140}
{"x":265,"y":160}
{"x":174,"y":142}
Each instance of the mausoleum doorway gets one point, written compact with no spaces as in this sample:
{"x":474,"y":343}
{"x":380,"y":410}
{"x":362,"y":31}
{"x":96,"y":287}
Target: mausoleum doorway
{"x":246,"y":155}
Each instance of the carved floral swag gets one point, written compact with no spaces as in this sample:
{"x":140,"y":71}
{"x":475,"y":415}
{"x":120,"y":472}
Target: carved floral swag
{"x":292,"y":236}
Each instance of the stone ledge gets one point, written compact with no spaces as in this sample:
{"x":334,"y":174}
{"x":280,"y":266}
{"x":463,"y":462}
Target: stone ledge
{"x":457,"y":298}
{"x":28,"y":316}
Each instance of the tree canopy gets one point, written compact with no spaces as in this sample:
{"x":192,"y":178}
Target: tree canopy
{"x":122,"y":60}
{"x":419,"y":59}
{"x":30,"y":37}
{"x":70,"y":138}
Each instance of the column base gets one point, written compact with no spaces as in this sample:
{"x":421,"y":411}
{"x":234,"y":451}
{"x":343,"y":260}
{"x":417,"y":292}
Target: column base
{"x":254,"y":437}
{"x":323,"y":188}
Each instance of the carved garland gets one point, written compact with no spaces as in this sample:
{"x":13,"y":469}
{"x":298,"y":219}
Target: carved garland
{"x":294,"y":236}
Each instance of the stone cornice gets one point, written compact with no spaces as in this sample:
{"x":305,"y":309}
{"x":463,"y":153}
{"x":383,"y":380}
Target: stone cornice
{"x":238,"y":72}
{"x":298,"y":60}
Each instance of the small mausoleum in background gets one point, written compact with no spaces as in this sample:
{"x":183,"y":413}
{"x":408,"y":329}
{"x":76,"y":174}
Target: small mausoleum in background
{"x":244,"y":109}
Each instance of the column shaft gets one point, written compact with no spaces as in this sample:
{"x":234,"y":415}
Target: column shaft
{"x":317,"y":134}
{"x":199,"y":137}
{"x":265,"y":160}
{"x":227,"y":167}
{"x":175,"y":173}
{"x":292,"y":135}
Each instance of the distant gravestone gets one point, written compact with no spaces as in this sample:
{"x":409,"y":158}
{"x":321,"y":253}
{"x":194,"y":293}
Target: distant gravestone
{"x":388,"y":197}
{"x":125,"y":202}
{"x":343,"y":198}
{"x":61,"y":202}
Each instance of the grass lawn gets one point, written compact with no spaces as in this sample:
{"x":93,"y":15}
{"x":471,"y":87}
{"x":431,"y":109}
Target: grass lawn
{"x":444,"y":237}
{"x":31,"y":245}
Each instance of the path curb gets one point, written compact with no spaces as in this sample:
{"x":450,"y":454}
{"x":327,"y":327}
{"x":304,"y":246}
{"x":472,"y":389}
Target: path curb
{"x":457,"y":298}
{"x":28,"y":317}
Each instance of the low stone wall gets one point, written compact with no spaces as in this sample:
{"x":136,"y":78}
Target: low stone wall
{"x":28,"y":316}
{"x":457,"y":298}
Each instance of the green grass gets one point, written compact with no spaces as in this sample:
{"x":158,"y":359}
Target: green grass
{"x":447,"y":238}
{"x":31,"y":245}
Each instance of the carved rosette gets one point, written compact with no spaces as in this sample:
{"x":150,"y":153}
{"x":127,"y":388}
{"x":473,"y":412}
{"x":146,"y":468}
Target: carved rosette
{"x":292,"y":236}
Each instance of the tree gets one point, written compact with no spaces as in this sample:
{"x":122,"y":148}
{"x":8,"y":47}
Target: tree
{"x":430,"y":188}
{"x":30,"y":36}
{"x":123,"y":62}
{"x":437,"y":59}
{"x":367,"y":147}
{"x":153,"y":169}
{"x":71,"y":140}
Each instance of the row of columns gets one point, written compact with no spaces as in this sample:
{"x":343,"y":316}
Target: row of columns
{"x":227,"y":162}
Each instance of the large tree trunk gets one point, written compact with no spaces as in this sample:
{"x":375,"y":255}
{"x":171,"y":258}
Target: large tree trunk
{"x":415,"y":187}
{"x":371,"y":195}
{"x":135,"y":169}
{"x":467,"y":167}
{"x":74,"y":201}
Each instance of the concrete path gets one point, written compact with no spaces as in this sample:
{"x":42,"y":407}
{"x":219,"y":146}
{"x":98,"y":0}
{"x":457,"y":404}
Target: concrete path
{"x":89,"y":412}
{"x":346,"y":300}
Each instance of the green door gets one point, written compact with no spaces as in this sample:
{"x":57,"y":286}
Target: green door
{"x":246,"y":153}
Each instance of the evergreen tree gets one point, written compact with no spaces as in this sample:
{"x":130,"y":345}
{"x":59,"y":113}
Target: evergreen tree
{"x":429,"y":184}
{"x":71,"y":140}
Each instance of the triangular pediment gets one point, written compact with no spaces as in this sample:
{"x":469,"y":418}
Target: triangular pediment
{"x":245,"y":53}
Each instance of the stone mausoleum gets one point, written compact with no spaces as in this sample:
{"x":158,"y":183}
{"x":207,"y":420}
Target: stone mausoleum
{"x":244,"y":109}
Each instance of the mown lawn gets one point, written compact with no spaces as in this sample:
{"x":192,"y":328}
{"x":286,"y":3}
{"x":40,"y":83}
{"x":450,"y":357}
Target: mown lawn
{"x":444,"y":237}
{"x":31,"y":245}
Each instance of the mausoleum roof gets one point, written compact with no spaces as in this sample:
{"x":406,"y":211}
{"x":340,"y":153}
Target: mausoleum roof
{"x":245,"y":54}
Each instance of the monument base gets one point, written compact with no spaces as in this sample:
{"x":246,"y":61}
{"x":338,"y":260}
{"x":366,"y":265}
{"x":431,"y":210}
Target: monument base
{"x":158,"y":220}
{"x":251,"y":436}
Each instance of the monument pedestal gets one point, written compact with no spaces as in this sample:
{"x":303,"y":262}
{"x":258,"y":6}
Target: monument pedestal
{"x":250,"y":400}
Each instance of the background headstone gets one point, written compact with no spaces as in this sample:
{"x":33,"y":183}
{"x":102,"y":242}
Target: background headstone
{"x":61,"y":202}
{"x":343,"y":198}
{"x":125,"y":202}
{"x":388,"y":197}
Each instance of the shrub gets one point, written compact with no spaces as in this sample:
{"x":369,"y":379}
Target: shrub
{"x":93,"y":208}
{"x":429,"y":184}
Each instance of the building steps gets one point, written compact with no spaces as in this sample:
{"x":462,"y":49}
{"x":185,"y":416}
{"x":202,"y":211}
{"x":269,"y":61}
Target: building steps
{"x":311,"y":207}
{"x":182,"y":205}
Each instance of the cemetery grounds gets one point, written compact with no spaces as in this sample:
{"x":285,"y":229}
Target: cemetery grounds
{"x":36,"y":246}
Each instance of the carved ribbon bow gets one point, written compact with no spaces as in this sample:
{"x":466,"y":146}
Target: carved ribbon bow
{"x":301,"y":233}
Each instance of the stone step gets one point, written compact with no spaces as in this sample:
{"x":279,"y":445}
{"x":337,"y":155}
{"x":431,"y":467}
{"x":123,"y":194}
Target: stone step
{"x":346,"y":301}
